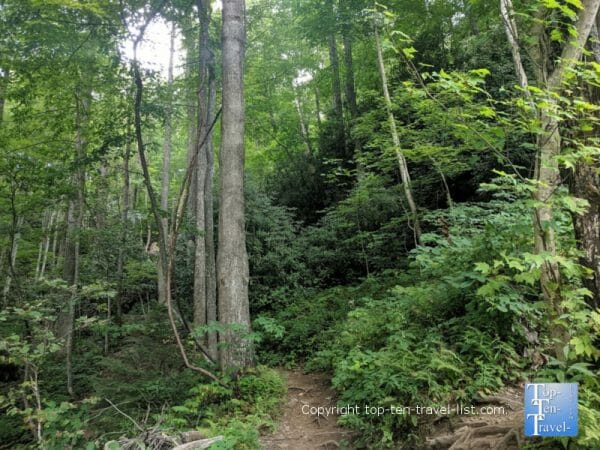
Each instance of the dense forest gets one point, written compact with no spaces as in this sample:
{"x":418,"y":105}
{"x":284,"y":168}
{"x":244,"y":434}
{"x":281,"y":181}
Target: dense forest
{"x":396,"y":203}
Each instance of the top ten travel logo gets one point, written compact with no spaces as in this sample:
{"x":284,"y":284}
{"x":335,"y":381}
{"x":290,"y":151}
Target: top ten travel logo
{"x":551,"y":409}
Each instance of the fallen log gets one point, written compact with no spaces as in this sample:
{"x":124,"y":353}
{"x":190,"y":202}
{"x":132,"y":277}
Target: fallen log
{"x":199,"y":444}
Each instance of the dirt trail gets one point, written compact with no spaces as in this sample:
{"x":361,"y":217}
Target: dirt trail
{"x":298,"y":430}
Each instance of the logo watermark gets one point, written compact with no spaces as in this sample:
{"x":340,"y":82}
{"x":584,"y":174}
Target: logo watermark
{"x":551,"y":409}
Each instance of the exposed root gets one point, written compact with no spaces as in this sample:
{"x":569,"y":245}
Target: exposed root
{"x":497,"y":437}
{"x":155,"y":440}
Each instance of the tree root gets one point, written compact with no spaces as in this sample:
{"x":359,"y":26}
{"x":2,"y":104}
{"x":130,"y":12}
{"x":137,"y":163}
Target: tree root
{"x":496,"y":437}
{"x":190,"y":440}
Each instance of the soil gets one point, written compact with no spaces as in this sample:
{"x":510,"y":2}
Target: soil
{"x":301,"y":430}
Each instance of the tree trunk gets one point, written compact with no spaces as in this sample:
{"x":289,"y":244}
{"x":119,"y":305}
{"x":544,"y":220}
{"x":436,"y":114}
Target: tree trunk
{"x":318,"y":107}
{"x":200,"y":305}
{"x":335,"y":77}
{"x":192,"y":121}
{"x":404,"y":174}
{"x":349,"y":79}
{"x":17,"y":223}
{"x":166,"y":242}
{"x":585,"y":183}
{"x":209,"y":235}
{"x":55,"y":242}
{"x":124,"y":221}
{"x":336,"y":85}
{"x":3,"y":86}
{"x":166,"y":162}
{"x":547,"y":173}
{"x":232,"y":259}
{"x":510,"y":28}
{"x":49,"y":229}
{"x":303,"y":124}
{"x":74,"y":225}
{"x":548,"y":178}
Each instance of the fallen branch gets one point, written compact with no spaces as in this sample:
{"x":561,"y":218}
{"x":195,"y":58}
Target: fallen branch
{"x":202,"y":443}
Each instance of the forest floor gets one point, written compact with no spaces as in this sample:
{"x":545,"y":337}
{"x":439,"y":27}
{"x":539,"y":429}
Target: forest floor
{"x":298,"y":429}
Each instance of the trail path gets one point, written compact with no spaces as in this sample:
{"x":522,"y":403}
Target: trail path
{"x":298,"y":430}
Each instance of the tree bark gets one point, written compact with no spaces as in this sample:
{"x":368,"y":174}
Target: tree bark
{"x":166,"y":162}
{"x":209,"y":235}
{"x":192,"y":120}
{"x":124,"y":220}
{"x":585,"y":183}
{"x":17,"y":223}
{"x":232,"y":259}
{"x":547,"y":174}
{"x":74,"y":225}
{"x":336,"y":85}
{"x":510,"y":28}
{"x":318,"y":107}
{"x":303,"y":124}
{"x":404,"y":173}
{"x":200,"y":304}
{"x":3,"y":85}
{"x":49,"y":229}
{"x":349,"y":79}
{"x":166,"y":243}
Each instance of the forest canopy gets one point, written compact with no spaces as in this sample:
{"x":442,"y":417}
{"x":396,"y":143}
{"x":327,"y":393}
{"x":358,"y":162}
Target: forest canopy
{"x":391,"y":204}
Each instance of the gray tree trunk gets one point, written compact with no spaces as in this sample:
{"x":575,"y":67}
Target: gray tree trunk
{"x":49,"y":230}
{"x":12,"y":257}
{"x":124,"y":218}
{"x":3,"y":85}
{"x":303,"y":124}
{"x":209,"y":235}
{"x":74,"y":225}
{"x":318,"y":107}
{"x":336,"y":85}
{"x":547,"y":173}
{"x":192,"y":120}
{"x":166,"y":162}
{"x":349,"y":79}
{"x":404,"y":173}
{"x":232,"y":259}
{"x":200,"y":304}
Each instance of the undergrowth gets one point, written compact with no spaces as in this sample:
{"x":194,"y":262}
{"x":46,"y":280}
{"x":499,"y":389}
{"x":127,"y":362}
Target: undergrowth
{"x":464,"y":320}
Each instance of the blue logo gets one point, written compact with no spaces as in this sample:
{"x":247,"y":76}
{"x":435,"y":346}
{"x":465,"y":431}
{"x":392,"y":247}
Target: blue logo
{"x":551,"y":409}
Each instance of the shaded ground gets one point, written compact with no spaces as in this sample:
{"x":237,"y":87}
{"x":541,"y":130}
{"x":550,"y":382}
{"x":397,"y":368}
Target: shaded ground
{"x":299,"y":429}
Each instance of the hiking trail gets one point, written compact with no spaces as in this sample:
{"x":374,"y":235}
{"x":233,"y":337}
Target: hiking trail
{"x":300,"y":430}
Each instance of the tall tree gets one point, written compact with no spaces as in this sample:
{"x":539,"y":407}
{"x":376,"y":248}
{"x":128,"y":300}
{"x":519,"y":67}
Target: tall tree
{"x":402,"y":164}
{"x":3,"y":87}
{"x":585,"y":183}
{"x":550,"y":76}
{"x":336,"y":84}
{"x":166,"y":161}
{"x":232,"y":258}
{"x":75,"y":212}
{"x":204,"y":267}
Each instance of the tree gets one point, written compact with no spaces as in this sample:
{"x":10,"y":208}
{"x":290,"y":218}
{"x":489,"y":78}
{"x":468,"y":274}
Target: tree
{"x":166,"y":161}
{"x":550,"y":77}
{"x":232,"y":259}
{"x":205,"y":308}
{"x":403,"y":166}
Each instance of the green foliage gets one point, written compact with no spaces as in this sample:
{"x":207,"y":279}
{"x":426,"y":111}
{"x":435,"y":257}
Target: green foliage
{"x":291,"y":335}
{"x":239,"y":413}
{"x":425,"y":341}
